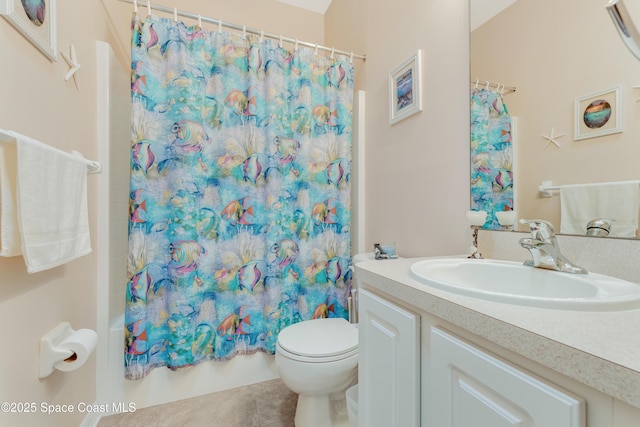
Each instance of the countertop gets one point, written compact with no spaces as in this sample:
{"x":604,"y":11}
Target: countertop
{"x":599,"y":349}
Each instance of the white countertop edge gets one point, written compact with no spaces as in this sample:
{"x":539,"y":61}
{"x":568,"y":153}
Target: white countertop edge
{"x":599,"y":349}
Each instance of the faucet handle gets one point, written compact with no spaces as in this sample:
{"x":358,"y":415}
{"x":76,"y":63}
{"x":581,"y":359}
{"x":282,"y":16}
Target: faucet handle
{"x":540,"y":229}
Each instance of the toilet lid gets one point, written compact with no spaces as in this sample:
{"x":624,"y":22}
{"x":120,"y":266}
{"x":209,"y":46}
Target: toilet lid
{"x":319,"y":338}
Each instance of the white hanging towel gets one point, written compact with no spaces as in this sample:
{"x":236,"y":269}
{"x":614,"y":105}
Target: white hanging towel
{"x":10,"y":240}
{"x":618,"y":201}
{"x":51,"y":196}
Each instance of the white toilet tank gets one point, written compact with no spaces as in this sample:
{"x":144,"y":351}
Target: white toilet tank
{"x":367,"y":256}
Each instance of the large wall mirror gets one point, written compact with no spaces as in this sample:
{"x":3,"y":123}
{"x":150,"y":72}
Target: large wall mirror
{"x":556,"y":52}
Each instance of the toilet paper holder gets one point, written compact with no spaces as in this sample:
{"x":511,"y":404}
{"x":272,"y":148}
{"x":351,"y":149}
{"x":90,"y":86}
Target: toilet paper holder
{"x":53,"y":356}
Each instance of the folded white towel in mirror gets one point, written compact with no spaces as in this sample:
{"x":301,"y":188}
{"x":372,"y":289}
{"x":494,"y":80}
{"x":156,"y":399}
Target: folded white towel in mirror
{"x":618,"y":201}
{"x":51,"y":205}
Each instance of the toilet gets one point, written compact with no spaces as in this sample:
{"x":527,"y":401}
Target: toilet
{"x":318,"y":360}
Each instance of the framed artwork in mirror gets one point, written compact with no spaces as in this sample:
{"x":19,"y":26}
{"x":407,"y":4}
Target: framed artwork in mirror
{"x":598,"y":114}
{"x":405,"y":89}
{"x":35,"y":20}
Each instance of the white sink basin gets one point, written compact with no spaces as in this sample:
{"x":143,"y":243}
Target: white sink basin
{"x":515,"y":283}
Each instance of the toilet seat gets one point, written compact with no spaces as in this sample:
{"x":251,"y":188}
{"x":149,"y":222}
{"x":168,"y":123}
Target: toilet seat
{"x":319,"y":340}
{"x":315,"y":359}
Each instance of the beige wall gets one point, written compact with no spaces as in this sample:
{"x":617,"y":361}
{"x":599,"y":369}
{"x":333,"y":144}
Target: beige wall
{"x":344,"y":25}
{"x":417,"y":183}
{"x":555,"y":52}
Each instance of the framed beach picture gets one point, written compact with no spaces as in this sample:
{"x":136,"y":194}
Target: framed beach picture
{"x":36,"y":20}
{"x":405,"y":89}
{"x":598,"y":114}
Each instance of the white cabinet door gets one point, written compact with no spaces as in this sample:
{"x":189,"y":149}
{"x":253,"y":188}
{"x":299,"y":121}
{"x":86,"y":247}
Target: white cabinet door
{"x":470,"y":388}
{"x":389,"y":364}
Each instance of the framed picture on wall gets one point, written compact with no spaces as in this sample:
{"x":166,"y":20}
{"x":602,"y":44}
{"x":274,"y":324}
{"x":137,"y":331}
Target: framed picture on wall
{"x":405,"y":89}
{"x":598,"y":114}
{"x":35,"y":19}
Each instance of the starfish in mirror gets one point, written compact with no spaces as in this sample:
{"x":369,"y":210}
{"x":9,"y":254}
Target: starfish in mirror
{"x":551,"y":138}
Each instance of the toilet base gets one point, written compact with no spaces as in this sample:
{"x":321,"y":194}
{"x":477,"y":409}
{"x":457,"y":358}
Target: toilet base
{"x":312,"y":411}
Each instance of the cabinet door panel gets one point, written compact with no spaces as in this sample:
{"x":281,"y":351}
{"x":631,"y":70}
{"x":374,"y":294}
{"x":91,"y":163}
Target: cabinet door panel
{"x":477,"y":405}
{"x":389,"y":375}
{"x":471,"y":388}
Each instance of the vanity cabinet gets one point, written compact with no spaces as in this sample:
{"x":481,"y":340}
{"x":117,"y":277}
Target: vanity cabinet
{"x":414,"y":372}
{"x":470,"y":387}
{"x":389,"y":364}
{"x":475,"y":364}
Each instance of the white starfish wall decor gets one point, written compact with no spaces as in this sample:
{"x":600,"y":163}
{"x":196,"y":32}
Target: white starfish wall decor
{"x":74,"y":66}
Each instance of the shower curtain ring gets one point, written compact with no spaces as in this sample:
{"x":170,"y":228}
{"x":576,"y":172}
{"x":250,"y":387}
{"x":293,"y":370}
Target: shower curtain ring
{"x":295,"y":46}
{"x":199,"y":21}
{"x":175,"y":14}
{"x":477,"y":81}
{"x":261,"y":36}
{"x":280,"y":44}
{"x":148,"y":8}
{"x":135,"y":6}
{"x":219,"y":26}
{"x":487,"y":86}
{"x":316,"y":52}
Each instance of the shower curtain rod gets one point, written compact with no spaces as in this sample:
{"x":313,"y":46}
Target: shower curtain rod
{"x":243,"y":28}
{"x":498,"y":86}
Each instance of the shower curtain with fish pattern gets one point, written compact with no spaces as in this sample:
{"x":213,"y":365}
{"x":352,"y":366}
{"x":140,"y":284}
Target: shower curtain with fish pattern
{"x":491,"y":155}
{"x":240,"y":213}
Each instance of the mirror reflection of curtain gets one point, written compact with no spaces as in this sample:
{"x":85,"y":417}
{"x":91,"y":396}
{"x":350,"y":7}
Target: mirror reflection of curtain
{"x":491,"y":155}
{"x":240,"y":195}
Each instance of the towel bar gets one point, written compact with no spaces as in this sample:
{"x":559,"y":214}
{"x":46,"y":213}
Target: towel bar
{"x":546,"y":187}
{"x":93,"y":167}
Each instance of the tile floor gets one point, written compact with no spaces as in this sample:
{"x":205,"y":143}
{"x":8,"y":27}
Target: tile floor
{"x":267,"y":404}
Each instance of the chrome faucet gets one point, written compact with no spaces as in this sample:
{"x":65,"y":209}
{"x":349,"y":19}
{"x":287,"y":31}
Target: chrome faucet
{"x":599,"y":227}
{"x":544,"y":248}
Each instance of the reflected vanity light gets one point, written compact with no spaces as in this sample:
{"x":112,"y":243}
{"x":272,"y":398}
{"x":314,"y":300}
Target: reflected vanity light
{"x":476,"y":218}
{"x":627,"y":30}
{"x":506,"y":219}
